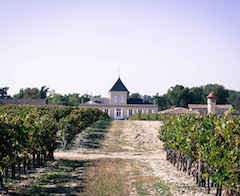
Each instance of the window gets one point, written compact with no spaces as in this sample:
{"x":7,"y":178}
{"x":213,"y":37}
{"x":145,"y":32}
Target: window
{"x":115,"y":99}
{"x":130,"y":112}
{"x":150,"y":111}
{"x":122,"y":99}
{"x":118,"y":112}
{"x":106,"y":110}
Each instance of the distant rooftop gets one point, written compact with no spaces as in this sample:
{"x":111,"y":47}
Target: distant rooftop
{"x":178,"y":110}
{"x":37,"y":102}
{"x":137,"y":101}
{"x":119,"y":86}
{"x":106,"y":101}
{"x":203,"y":106}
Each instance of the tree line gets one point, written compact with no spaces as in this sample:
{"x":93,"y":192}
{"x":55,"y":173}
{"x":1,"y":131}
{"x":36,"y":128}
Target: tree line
{"x":180,"y":96}
{"x":176,"y":96}
{"x":54,"y":98}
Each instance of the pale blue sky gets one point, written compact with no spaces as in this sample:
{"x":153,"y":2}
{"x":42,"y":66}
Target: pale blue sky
{"x":78,"y":45}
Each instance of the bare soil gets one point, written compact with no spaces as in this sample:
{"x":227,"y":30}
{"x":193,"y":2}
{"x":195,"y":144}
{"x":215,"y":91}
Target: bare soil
{"x":136,"y":140}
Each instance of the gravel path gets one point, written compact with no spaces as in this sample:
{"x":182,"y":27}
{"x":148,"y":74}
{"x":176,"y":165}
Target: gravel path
{"x":139,"y":140}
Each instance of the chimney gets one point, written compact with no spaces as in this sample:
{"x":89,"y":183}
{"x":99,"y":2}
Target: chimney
{"x":211,"y":103}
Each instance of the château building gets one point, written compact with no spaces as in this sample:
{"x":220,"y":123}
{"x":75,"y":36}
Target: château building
{"x":118,"y":105}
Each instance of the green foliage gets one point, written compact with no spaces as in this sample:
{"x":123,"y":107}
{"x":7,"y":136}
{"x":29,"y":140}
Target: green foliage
{"x":3,"y":93}
{"x":32,"y":93}
{"x":43,"y":92}
{"x":67,"y":100}
{"x":79,"y":119}
{"x":214,"y":140}
{"x":161,"y":101}
{"x":28,"y":131}
{"x":234,"y":99}
{"x":179,"y":96}
{"x":198,"y":96}
{"x":135,"y":95}
{"x":219,"y":91}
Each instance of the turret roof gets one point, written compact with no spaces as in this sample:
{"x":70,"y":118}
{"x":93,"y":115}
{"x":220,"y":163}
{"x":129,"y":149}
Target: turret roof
{"x":211,"y":96}
{"x":119,"y":86}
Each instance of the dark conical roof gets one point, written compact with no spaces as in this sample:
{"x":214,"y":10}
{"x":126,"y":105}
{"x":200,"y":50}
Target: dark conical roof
{"x":119,"y":86}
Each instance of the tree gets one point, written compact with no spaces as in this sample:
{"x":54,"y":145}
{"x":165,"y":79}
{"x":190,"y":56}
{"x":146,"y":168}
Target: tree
{"x":74,"y":99}
{"x":43,"y":92}
{"x":147,"y":99}
{"x":219,"y":91}
{"x":179,"y":96}
{"x":161,"y":101}
{"x":135,"y":96}
{"x":234,"y":99}
{"x":58,"y":99}
{"x":68,"y":100}
{"x":85,"y":98}
{"x":32,"y":93}
{"x":3,"y":93}
{"x":197,"y":94}
{"x":221,"y":94}
{"x":19,"y":95}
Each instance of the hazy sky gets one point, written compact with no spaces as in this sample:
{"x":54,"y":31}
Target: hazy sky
{"x":78,"y":45}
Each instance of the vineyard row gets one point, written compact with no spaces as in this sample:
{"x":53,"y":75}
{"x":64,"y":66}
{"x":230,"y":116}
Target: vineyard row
{"x":29,"y":135}
{"x":207,"y":147}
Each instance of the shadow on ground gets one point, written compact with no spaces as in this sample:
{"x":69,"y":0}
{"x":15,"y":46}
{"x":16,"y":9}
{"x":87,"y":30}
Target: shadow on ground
{"x":62,"y":177}
{"x":93,"y":136}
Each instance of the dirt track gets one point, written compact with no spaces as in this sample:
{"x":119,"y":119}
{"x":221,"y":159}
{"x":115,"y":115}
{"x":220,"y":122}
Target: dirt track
{"x":137,"y":140}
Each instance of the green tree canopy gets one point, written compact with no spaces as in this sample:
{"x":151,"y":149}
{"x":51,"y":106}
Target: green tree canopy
{"x":234,"y":99}
{"x":219,"y":91}
{"x":32,"y":93}
{"x":197,"y":94}
{"x":135,"y":96}
{"x":179,"y":96}
{"x":3,"y":93}
{"x":43,"y":92}
{"x":161,"y":101}
{"x":68,"y":100}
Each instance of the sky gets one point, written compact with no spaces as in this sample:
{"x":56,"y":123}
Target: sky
{"x":81,"y":46}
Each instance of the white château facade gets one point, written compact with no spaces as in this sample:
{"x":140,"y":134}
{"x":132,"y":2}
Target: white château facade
{"x":118,"y":105}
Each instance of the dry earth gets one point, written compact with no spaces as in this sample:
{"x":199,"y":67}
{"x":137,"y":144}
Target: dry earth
{"x":135,"y":140}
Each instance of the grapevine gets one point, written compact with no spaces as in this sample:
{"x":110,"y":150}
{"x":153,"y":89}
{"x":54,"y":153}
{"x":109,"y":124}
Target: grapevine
{"x":28,"y":134}
{"x":208,"y":147}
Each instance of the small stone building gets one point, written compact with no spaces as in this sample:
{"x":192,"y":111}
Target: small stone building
{"x":211,"y":106}
{"x":118,"y":105}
